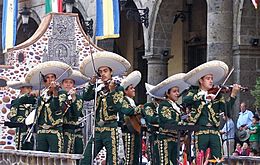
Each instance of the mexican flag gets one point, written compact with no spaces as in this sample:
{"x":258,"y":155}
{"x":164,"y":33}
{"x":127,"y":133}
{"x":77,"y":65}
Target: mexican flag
{"x":53,"y":6}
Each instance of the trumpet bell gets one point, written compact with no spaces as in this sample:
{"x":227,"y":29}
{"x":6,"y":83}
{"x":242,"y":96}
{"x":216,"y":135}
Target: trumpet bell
{"x":30,"y":118}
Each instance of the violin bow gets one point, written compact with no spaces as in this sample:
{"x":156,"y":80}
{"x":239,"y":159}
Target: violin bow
{"x":229,"y":74}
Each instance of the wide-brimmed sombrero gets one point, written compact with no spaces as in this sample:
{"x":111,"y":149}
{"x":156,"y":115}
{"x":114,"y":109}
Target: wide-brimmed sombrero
{"x":78,"y":77}
{"x":243,"y":135}
{"x":117,"y":63}
{"x":172,"y":81}
{"x":217,"y":68}
{"x":148,"y":88}
{"x":132,"y":79}
{"x":19,"y":84}
{"x":60,"y":69}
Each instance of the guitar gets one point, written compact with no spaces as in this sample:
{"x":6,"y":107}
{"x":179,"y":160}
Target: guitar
{"x":133,"y":123}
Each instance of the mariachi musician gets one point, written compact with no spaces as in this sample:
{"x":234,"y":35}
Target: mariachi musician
{"x":21,"y":107}
{"x":170,"y":113}
{"x":151,"y":116}
{"x":108,"y":102}
{"x":206,"y":107}
{"x":49,"y":114}
{"x":72,"y":132}
{"x":132,"y":143}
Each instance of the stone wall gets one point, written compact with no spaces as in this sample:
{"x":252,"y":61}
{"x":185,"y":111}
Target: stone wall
{"x":245,"y":56}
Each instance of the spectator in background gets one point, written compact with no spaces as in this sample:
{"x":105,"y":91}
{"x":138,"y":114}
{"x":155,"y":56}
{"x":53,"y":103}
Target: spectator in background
{"x":228,"y":135}
{"x":245,"y":149}
{"x":253,"y":152}
{"x":238,"y":150}
{"x":245,"y":117}
{"x":254,"y":134}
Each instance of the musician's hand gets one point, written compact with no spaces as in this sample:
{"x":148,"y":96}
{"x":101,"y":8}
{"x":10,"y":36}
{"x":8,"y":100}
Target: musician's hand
{"x":141,"y":106}
{"x":54,"y":88}
{"x":34,"y":93}
{"x":235,"y":90}
{"x":72,"y":92}
{"x":93,"y":79}
{"x":210,"y":97}
{"x":112,"y":86}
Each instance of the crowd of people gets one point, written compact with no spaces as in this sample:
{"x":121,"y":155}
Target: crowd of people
{"x":245,"y":134}
{"x":58,"y":108}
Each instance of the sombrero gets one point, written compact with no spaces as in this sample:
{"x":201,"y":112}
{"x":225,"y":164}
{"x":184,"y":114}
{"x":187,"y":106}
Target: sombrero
{"x":19,"y":84}
{"x":217,"y":68}
{"x":117,"y":63}
{"x":78,"y":77}
{"x":172,"y":81}
{"x":132,"y":79}
{"x":60,"y":69}
{"x":243,"y":135}
{"x":148,"y":88}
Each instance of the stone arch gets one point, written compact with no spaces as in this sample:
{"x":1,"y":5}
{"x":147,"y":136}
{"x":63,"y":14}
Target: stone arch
{"x":33,"y":16}
{"x":162,"y":34}
{"x":23,"y":35}
{"x":85,"y":13}
{"x":246,"y":22}
{"x":149,"y":32}
{"x":81,"y":9}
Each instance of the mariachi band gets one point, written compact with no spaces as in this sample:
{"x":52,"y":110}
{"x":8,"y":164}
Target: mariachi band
{"x":55,"y":111}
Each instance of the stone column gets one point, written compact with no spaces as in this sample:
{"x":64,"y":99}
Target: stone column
{"x":157,"y":68}
{"x":220,"y":30}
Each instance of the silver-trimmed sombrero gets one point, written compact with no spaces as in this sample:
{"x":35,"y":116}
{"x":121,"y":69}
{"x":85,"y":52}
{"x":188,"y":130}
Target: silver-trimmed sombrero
{"x":148,"y":88}
{"x":217,"y":68}
{"x":172,"y":81}
{"x":117,"y":63}
{"x":78,"y":77}
{"x":132,"y":79}
{"x":19,"y":84}
{"x":60,"y":69}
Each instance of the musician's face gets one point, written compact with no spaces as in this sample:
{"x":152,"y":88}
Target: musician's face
{"x":206,"y":82}
{"x":105,"y":73}
{"x":130,"y":91}
{"x":25,"y":89}
{"x":49,"y":78}
{"x":173,"y":94}
{"x":67,"y":84}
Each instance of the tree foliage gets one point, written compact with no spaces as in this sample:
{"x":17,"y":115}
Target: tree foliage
{"x":256,"y":93}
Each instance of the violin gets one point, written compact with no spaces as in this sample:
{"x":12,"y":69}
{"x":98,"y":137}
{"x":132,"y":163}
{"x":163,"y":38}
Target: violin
{"x":225,"y":89}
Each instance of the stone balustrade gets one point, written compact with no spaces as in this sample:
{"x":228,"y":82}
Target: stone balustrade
{"x":22,"y":157}
{"x":243,"y":160}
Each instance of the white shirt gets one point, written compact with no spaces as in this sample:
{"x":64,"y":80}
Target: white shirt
{"x":229,"y":129}
{"x":245,"y":118}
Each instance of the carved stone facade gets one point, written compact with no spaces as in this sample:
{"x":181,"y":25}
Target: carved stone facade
{"x":62,"y":43}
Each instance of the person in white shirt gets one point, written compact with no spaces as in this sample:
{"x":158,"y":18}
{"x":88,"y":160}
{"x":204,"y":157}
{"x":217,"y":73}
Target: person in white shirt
{"x":228,"y":135}
{"x":245,"y":117}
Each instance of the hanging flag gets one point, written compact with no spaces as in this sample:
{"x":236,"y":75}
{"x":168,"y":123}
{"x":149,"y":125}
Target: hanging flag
{"x":53,"y":6}
{"x":255,"y":3}
{"x":107,"y":21}
{"x":9,"y":19}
